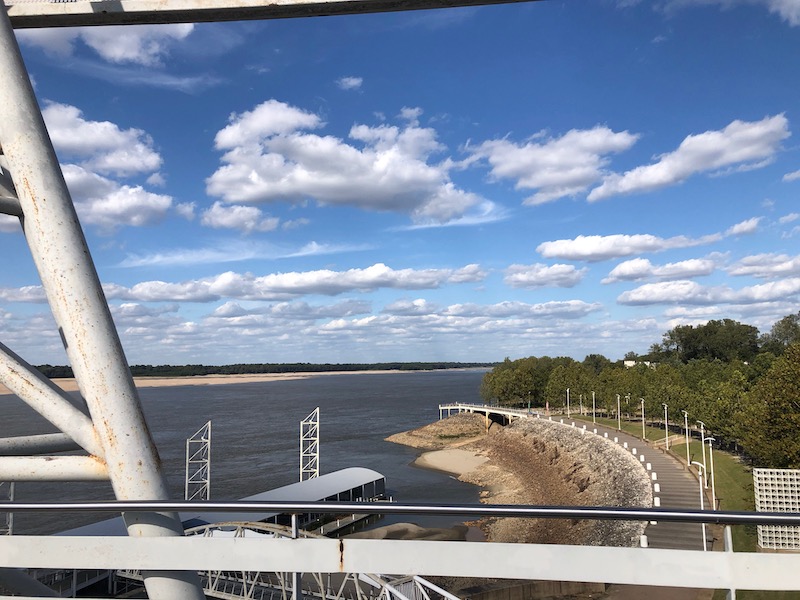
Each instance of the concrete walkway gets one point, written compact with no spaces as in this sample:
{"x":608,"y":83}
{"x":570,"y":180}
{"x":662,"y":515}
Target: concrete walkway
{"x":675,"y":487}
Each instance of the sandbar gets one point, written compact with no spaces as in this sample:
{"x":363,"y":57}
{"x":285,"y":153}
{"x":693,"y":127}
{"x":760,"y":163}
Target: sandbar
{"x":70,"y":385}
{"x":451,"y":460}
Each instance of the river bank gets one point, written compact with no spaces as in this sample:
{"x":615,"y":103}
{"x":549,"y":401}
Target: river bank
{"x":536,"y":462}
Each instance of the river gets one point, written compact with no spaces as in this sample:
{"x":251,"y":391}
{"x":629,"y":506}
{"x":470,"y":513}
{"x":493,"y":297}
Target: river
{"x":255,"y":436}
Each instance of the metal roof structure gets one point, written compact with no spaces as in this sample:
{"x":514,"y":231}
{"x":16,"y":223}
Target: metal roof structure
{"x":310,"y":490}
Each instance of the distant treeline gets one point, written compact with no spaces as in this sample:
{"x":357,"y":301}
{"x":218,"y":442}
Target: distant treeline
{"x":60,"y":371}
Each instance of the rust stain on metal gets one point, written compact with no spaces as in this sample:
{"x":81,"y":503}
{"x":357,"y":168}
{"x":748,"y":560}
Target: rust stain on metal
{"x":341,"y":556}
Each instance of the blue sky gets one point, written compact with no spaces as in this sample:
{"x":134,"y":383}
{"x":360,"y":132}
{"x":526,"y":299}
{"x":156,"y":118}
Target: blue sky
{"x":557,"y":178}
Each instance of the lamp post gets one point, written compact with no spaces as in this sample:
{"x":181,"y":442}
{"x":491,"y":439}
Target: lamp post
{"x":666,"y":427}
{"x":701,"y":469}
{"x":568,"y":402}
{"x":580,"y":399}
{"x":619,"y":421}
{"x":594,"y":411}
{"x":711,"y":460}
{"x":644,"y":436}
{"x":703,"y":444}
{"x":686,"y":434}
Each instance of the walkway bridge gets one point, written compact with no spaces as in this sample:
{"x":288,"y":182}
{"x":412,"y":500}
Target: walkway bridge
{"x":494,"y":414}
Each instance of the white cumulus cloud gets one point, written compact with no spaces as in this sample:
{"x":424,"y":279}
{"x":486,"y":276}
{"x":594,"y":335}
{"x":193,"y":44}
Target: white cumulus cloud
{"x":767,"y":266}
{"x":271,"y":155}
{"x":555,"y":167}
{"x":793,"y":176}
{"x":242,"y":218}
{"x":740,"y":145}
{"x":284,"y":286}
{"x":99,"y":146}
{"x":690,"y":292}
{"x":640,"y":268}
{"x":540,"y":275}
{"x":593,"y":248}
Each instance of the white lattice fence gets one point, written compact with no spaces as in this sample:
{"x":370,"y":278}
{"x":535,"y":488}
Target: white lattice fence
{"x":777,"y":490}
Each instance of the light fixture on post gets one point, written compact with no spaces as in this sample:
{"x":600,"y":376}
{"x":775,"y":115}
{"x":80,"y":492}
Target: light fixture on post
{"x":701,"y":470}
{"x":619,"y":421}
{"x":644,"y":435}
{"x":568,"y":402}
{"x":666,"y":427}
{"x":686,"y":434}
{"x":711,"y":467}
{"x":703,"y":444}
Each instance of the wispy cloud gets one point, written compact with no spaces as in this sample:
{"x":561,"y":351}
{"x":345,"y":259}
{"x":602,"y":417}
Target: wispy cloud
{"x":350,"y":83}
{"x":230,"y":251}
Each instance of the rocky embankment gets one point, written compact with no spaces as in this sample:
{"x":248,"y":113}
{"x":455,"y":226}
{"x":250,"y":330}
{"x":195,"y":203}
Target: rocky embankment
{"x":535,"y":461}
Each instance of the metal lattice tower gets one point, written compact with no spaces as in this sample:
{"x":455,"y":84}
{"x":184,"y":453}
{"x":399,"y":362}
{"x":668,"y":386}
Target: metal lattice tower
{"x":309,"y":446}
{"x":7,"y":494}
{"x":197,"y":485}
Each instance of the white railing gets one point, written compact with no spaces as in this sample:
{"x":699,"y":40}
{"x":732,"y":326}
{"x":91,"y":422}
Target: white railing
{"x":631,"y":566}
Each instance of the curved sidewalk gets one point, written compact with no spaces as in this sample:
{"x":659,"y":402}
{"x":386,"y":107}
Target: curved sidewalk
{"x":673,"y":485}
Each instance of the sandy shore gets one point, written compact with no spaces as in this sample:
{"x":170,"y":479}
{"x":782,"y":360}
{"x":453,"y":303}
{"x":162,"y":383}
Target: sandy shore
{"x":452,"y":460}
{"x":70,"y":385}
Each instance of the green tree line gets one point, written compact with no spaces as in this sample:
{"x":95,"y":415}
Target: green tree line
{"x":60,"y":371}
{"x":744,"y":386}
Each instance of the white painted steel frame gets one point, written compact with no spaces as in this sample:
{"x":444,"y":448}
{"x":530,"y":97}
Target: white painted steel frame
{"x":197,"y":483}
{"x":309,"y":446}
{"x":119,"y":436}
{"x":628,"y":566}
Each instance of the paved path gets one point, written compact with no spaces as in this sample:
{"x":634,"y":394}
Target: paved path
{"x":676,"y":488}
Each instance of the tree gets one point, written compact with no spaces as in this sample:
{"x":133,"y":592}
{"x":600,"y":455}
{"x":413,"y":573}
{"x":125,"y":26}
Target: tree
{"x":724,"y":340}
{"x":784,"y":332}
{"x":596,"y":363}
{"x":773,"y":416}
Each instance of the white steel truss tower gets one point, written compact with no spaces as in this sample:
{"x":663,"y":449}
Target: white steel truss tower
{"x":309,"y":446}
{"x":197,"y":484}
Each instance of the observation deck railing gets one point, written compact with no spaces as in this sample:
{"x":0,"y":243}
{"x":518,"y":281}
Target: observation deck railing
{"x":727,"y":570}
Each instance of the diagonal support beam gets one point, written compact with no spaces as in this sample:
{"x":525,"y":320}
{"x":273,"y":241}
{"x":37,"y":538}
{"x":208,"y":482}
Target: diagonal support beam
{"x":52,"y":468}
{"x":46,"y":398}
{"x":28,"y":445}
{"x":69,"y":279}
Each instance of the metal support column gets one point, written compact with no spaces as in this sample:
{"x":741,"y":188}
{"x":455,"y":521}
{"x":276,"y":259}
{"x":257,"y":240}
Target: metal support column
{"x":309,"y":446}
{"x":197,"y":485}
{"x":69,"y":279}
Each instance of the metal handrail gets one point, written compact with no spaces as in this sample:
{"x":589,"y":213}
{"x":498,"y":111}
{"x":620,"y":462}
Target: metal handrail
{"x":380,"y":508}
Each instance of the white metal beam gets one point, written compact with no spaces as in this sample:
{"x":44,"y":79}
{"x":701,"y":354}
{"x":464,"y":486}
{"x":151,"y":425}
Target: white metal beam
{"x":551,"y":562}
{"x":79,"y":307}
{"x":52,"y":468}
{"x":46,"y":398}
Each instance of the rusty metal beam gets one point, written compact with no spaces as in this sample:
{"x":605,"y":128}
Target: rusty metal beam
{"x":126,"y":12}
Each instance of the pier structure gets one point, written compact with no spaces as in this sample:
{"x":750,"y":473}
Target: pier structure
{"x":493,"y":414}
